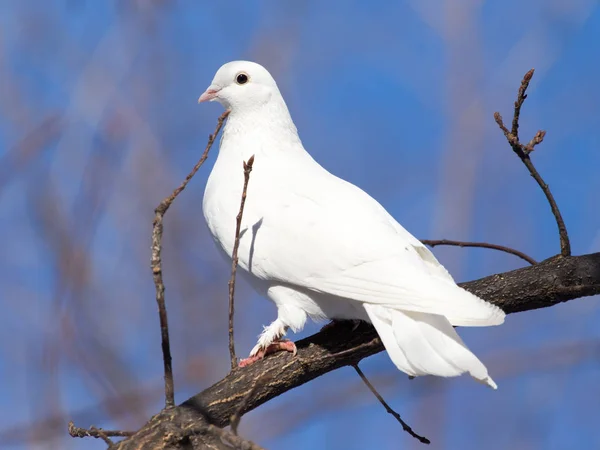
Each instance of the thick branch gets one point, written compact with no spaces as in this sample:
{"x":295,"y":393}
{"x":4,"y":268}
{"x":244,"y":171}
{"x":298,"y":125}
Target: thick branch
{"x":183,"y":428}
{"x":548,"y":283}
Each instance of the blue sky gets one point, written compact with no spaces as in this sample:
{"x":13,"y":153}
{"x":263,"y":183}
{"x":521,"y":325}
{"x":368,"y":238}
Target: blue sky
{"x":396,"y":97}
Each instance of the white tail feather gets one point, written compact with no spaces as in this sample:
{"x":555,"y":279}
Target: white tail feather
{"x":425,"y":344}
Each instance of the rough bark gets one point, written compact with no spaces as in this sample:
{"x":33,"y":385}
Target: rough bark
{"x":193,"y":423}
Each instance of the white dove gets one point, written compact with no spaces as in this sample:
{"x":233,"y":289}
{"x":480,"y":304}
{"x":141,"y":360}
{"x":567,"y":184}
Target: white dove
{"x":320,"y":247}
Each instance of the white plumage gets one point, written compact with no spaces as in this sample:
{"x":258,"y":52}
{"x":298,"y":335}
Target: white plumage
{"x":320,"y":247}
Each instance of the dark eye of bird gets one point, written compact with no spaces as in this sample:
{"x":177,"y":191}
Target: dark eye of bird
{"x":241,"y":78}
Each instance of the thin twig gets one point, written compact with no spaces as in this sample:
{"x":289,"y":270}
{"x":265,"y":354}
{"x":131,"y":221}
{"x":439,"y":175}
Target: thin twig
{"x":521,"y":96}
{"x":156,"y":264}
{"x":512,"y":251}
{"x":387,"y":407}
{"x":102,"y":434}
{"x":237,"y":415}
{"x":234,"y":259}
{"x":373,"y":343}
{"x":97,"y":433}
{"x":523,"y":151}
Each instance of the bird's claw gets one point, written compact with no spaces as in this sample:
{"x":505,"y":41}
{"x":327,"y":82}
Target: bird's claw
{"x":274,"y":347}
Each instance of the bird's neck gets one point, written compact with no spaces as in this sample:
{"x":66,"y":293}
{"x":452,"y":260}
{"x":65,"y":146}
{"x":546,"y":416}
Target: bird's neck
{"x":269,"y":124}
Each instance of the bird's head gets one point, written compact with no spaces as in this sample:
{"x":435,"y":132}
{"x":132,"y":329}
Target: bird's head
{"x":240,"y":85}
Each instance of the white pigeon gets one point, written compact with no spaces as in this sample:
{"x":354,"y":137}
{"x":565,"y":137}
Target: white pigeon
{"x":320,"y":247}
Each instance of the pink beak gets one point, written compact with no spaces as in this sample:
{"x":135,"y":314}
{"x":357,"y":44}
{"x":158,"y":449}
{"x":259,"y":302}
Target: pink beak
{"x":209,"y":95}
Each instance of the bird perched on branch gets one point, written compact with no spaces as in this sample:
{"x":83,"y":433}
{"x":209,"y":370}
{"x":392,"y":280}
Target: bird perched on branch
{"x":320,"y":247}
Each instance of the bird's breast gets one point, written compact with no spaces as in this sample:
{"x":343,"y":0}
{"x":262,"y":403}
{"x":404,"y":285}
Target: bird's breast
{"x":221,"y":205}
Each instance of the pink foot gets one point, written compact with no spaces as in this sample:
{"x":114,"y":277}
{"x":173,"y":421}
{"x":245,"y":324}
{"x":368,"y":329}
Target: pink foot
{"x":277,"y":346}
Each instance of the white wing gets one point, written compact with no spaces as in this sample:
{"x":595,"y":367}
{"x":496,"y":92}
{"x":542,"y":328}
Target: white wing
{"x":329,"y":236}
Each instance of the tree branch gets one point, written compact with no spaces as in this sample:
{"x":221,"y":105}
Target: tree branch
{"x":235,"y":419}
{"x":234,"y":259}
{"x":523,"y":151}
{"x":97,"y":433}
{"x":556,"y":280}
{"x":233,"y":440}
{"x":434,"y":242}
{"x":182,"y":428}
{"x":387,"y":407}
{"x":156,"y":265}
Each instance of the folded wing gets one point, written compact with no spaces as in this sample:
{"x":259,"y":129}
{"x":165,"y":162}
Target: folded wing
{"x":334,"y":238}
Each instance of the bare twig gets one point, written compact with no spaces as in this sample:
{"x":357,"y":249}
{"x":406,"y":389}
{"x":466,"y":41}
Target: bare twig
{"x":237,"y":415}
{"x":156,"y":264}
{"x":387,"y":407}
{"x":102,"y":435}
{"x":373,"y":343}
{"x":234,"y":259}
{"x":512,"y":251}
{"x":521,"y":96}
{"x":97,"y":433}
{"x":523,"y":151}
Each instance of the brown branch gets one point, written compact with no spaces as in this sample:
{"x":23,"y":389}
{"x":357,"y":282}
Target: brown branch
{"x":234,"y":259}
{"x":156,"y":265}
{"x":523,"y":151}
{"x":387,"y":407}
{"x":97,"y":433}
{"x":545,"y":284}
{"x":542,"y":285}
{"x":434,"y":242}
{"x":232,"y":440}
{"x":521,"y":96}
{"x":108,"y":441}
{"x":236,"y":417}
{"x":183,"y":428}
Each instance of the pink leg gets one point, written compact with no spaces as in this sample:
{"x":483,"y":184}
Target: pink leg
{"x":277,"y":346}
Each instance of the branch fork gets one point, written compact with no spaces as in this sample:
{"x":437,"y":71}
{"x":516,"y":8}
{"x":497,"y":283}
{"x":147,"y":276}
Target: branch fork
{"x":523,"y":151}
